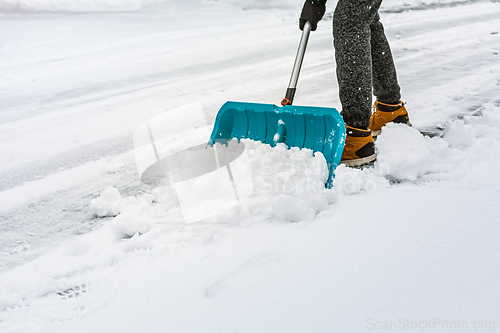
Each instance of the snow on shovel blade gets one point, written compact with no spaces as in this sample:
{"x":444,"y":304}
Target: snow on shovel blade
{"x":316,"y":128}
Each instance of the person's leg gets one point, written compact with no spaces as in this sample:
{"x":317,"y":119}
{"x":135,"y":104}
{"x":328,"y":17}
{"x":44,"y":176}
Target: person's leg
{"x":352,"y":41}
{"x":385,"y":81}
{"x":388,"y":107}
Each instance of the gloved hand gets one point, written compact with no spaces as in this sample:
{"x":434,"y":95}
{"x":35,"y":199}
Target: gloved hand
{"x":313,"y":12}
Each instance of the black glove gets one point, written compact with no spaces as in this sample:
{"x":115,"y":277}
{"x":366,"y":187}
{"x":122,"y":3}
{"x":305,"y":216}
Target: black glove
{"x":313,"y":12}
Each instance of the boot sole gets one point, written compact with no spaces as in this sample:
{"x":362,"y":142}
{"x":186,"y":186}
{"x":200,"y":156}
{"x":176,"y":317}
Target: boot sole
{"x":359,"y":161}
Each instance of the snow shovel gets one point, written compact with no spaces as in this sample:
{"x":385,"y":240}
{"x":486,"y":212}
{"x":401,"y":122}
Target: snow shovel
{"x":317,"y":128}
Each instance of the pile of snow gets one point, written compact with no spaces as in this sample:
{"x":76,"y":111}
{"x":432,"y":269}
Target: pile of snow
{"x":289,"y":183}
{"x":404,"y":154}
{"x":107,"y":204}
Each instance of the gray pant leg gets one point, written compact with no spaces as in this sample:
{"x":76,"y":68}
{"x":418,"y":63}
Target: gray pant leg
{"x":385,"y":80}
{"x":363,"y":60}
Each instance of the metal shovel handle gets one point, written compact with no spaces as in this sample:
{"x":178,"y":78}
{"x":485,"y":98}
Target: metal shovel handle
{"x":292,"y":86}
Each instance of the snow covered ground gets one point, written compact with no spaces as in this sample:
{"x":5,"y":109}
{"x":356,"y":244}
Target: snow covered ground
{"x":411,"y":242}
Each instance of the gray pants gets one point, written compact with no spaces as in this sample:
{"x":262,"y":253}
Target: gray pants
{"x":364,"y":60}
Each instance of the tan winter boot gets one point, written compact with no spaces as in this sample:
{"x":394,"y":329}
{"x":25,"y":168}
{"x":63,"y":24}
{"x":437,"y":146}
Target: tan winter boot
{"x":387,"y":113}
{"x":359,"y":148}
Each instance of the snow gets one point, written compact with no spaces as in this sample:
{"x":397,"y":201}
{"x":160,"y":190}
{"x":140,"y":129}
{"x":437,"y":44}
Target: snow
{"x":86,"y":246}
{"x":21,"y":6}
{"x":30,"y":6}
{"x":107,"y":203}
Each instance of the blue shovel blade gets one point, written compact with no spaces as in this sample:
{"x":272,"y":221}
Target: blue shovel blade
{"x":316,"y":128}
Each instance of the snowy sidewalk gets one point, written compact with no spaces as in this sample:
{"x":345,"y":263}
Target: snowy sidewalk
{"x":415,"y":238}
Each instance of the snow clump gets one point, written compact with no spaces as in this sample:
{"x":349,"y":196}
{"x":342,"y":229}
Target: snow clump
{"x":107,"y":204}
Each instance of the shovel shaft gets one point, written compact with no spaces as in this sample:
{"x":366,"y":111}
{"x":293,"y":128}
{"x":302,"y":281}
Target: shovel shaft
{"x":292,"y":86}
